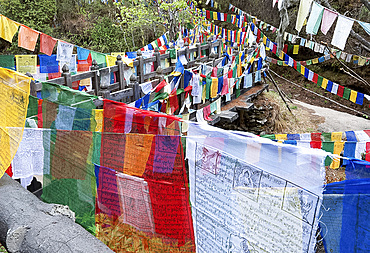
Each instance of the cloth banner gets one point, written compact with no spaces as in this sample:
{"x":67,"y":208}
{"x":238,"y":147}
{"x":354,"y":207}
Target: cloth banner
{"x":14,"y":93}
{"x":242,"y":185}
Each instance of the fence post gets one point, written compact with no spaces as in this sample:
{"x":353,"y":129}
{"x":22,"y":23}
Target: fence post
{"x":187,"y":51}
{"x":209,"y":43}
{"x":95,"y":80}
{"x":159,"y":74}
{"x":120,"y":75}
{"x":140,"y":68}
{"x":219,"y":48}
{"x":67,"y":76}
{"x":157,"y":58}
{"x":135,"y":87}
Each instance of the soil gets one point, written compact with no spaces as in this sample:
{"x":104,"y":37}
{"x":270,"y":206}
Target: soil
{"x":294,"y":92}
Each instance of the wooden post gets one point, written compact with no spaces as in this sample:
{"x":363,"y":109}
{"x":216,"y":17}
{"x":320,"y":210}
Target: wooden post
{"x":140,"y":67}
{"x":199,"y":51}
{"x":95,"y":80}
{"x":135,"y":88}
{"x":67,"y":76}
{"x":219,"y":48}
{"x":209,"y":43}
{"x":187,"y":51}
{"x":157,"y":58}
{"x":120,"y":75}
{"x":159,"y":74}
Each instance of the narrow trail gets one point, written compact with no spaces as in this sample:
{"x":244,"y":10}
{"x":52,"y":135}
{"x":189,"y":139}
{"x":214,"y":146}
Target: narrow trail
{"x":335,"y":121}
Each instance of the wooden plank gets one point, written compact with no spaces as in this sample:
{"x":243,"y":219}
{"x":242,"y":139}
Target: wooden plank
{"x":149,"y":60}
{"x":118,"y":95}
{"x":59,"y":81}
{"x":82,"y":76}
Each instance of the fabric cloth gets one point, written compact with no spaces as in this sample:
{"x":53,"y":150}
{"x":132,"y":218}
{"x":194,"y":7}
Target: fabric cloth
{"x":7,"y":61}
{"x":48,"y":64}
{"x":82,"y":53}
{"x":26,"y":63}
{"x":314,"y":20}
{"x":47,"y":44}
{"x":304,"y":8}
{"x":27,"y":38}
{"x":64,"y":51}
{"x":365,"y":25}
{"x":341,"y":32}
{"x":8,"y":28}
{"x":328,"y":19}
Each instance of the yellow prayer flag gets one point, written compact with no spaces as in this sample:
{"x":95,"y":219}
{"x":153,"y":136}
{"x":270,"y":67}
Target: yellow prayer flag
{"x":184,"y":124}
{"x":111,"y":60}
{"x":265,"y":41}
{"x":281,"y":55}
{"x":215,"y":15}
{"x":115,"y":54}
{"x":137,"y":150}
{"x":14,"y":95}
{"x":315,"y":61}
{"x":239,"y":70}
{"x":97,"y":125}
{"x":8,"y":28}
{"x":353,"y":96}
{"x":295,"y":49}
{"x":324,"y":83}
{"x":361,"y":61}
{"x":336,"y":136}
{"x":214,"y":87}
{"x":302,"y":69}
{"x":338,"y":148}
{"x":26,"y":63}
{"x":281,"y":137}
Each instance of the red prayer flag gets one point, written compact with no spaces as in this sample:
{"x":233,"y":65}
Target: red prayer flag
{"x":315,"y":78}
{"x":258,"y":35}
{"x":27,"y":38}
{"x":316,"y":136}
{"x":160,"y":86}
{"x":47,"y":44}
{"x":9,"y":171}
{"x":340,"y":90}
{"x":315,"y":144}
{"x":207,"y":112}
{"x":174,"y":103}
{"x":367,"y":155}
{"x":208,"y":15}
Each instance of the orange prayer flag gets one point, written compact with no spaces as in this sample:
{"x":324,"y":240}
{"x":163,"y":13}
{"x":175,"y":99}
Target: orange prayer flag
{"x":27,"y":38}
{"x":47,"y":44}
{"x":137,"y":151}
{"x":8,"y":28}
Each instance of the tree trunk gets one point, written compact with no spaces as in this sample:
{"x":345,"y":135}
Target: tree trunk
{"x":29,"y":225}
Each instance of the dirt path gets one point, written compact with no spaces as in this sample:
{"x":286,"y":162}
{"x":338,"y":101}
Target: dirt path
{"x":335,"y":121}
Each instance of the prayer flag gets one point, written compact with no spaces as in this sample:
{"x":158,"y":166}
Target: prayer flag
{"x":64,"y":51}
{"x":82,"y":53}
{"x":7,"y":61}
{"x":353,"y":96}
{"x":26,"y":63}
{"x":47,"y":44}
{"x":27,"y":38}
{"x":314,"y":20}
{"x":8,"y":28}
{"x":341,"y":32}
{"x":304,"y":7}
{"x":328,"y":19}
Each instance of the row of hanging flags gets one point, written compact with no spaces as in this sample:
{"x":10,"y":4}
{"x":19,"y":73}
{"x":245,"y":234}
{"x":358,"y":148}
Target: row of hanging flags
{"x":201,"y":84}
{"x":302,"y":42}
{"x":28,"y":37}
{"x":253,"y":33}
{"x":121,"y":170}
{"x":355,"y":144}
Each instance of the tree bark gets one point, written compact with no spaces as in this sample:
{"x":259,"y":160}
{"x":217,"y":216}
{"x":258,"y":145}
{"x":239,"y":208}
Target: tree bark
{"x":29,"y":225}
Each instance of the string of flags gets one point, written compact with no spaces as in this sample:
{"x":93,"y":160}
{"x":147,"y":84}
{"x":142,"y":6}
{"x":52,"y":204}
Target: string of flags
{"x":293,"y":38}
{"x":353,"y":96}
{"x":326,"y":17}
{"x":352,"y":144}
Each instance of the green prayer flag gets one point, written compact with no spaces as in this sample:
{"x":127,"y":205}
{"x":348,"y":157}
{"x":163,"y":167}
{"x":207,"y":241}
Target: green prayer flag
{"x":172,"y":53}
{"x":179,"y":91}
{"x":235,"y":70}
{"x":160,"y":96}
{"x":346,"y":93}
{"x":299,"y":67}
{"x":99,"y":58}
{"x":290,"y":48}
{"x":309,"y":62}
{"x":326,"y":136}
{"x":208,"y":87}
{"x":280,"y":63}
{"x":319,"y":80}
{"x":228,"y":18}
{"x":329,"y":147}
{"x":237,"y":89}
{"x":269,"y":136}
{"x":7,"y":61}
